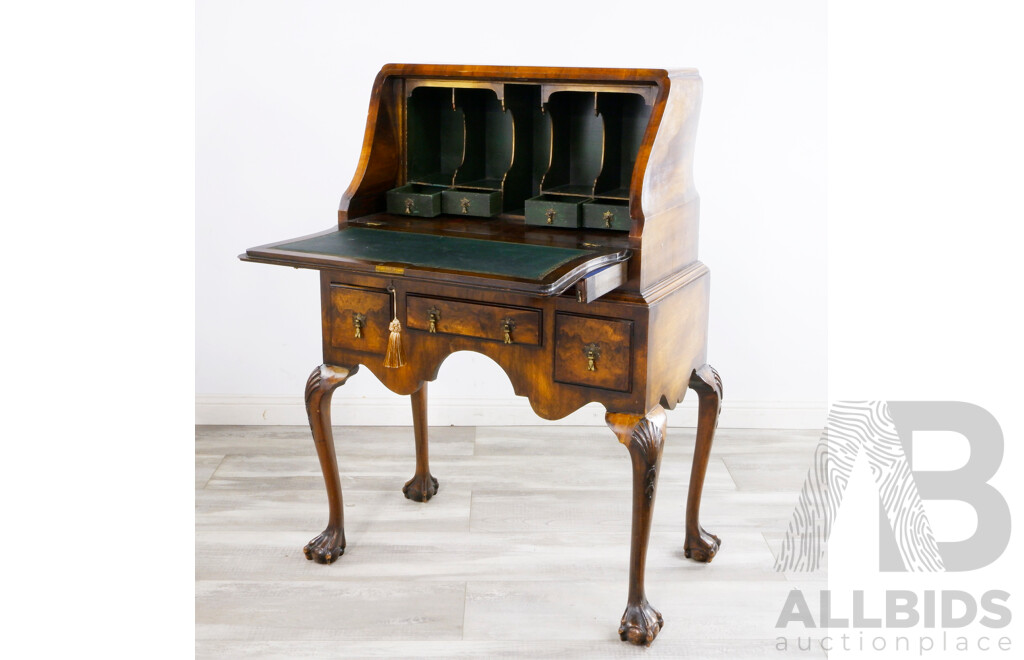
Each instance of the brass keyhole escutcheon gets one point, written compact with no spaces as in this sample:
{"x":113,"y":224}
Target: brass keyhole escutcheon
{"x":433,"y":316}
{"x":507,"y":326}
{"x":550,"y":215}
{"x":408,"y":205}
{"x":465,"y":205}
{"x":593,"y":352}
{"x":359,"y":320}
{"x":608,"y":217}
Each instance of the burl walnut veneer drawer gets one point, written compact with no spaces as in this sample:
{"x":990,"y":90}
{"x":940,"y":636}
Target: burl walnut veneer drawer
{"x":593,"y":351}
{"x":511,"y":325}
{"x":359,"y":318}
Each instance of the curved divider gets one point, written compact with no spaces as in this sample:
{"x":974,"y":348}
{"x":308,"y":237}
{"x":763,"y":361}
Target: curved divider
{"x":480,"y":150}
{"x":435,"y":136}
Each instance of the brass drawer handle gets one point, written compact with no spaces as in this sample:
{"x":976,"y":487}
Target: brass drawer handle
{"x":507,"y":326}
{"x":408,"y":205}
{"x":433,"y":315}
{"x":608,"y":217}
{"x":593,"y":352}
{"x":359,"y":320}
{"x":465,"y":205}
{"x":550,"y":215}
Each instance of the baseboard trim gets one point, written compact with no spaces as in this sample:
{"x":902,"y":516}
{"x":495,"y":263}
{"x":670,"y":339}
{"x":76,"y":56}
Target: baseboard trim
{"x":513,"y":411}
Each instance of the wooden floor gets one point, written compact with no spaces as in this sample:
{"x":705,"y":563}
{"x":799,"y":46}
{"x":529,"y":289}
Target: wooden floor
{"x":522,"y":553}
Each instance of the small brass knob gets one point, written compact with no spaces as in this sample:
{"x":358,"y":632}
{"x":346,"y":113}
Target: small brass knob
{"x":550,"y":215}
{"x":593,"y":352}
{"x":433,"y":315}
{"x":359,"y":320}
{"x":465,"y":205}
{"x":608,"y":217}
{"x":507,"y":326}
{"x":408,"y":205}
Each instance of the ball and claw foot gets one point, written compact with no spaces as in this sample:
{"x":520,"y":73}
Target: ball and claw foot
{"x":420,"y":489}
{"x":640,"y":624}
{"x":326,"y":547}
{"x":702,"y":548}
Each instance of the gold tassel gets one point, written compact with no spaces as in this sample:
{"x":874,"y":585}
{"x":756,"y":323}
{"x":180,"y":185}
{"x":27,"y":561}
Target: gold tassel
{"x":394,"y":357}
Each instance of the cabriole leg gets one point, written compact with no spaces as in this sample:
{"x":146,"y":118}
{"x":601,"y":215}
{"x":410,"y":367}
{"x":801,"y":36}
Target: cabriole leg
{"x":644,"y":436}
{"x":423,"y":485}
{"x":330,"y":544}
{"x":700,"y":544}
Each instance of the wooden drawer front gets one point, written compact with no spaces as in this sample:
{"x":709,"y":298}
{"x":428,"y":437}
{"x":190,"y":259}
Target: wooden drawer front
{"x":600,"y":282}
{"x":474,"y":320}
{"x":606,"y":215}
{"x":464,"y":202}
{"x":553,"y":211}
{"x":415,"y":199}
{"x":349,"y":303}
{"x":610,"y":343}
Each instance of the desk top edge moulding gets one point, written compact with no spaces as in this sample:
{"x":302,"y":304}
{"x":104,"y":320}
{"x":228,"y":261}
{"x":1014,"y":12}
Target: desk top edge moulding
{"x":546,"y":218}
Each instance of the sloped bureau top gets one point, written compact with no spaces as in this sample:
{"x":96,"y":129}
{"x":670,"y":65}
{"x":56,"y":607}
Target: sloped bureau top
{"x":539,"y":269}
{"x":500,"y":135}
{"x":441,"y":252}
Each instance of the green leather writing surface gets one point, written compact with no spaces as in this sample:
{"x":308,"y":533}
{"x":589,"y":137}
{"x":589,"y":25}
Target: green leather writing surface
{"x":531,"y":262}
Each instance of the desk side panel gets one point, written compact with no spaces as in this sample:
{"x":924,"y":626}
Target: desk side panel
{"x":378,"y":169}
{"x":678,"y":341}
{"x":671,"y":205}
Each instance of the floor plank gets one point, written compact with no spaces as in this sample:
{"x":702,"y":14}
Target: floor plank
{"x":523,"y":553}
{"x":249,"y":611}
{"x":690,"y":649}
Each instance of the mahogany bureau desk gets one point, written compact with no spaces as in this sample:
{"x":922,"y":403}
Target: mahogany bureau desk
{"x":547,"y":218}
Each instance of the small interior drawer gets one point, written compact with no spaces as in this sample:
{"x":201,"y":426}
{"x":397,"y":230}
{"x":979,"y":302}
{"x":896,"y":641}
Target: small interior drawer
{"x":600,"y":282}
{"x":415,"y":199}
{"x":480,"y":203}
{"x":606,"y":215}
{"x":554,"y":211}
{"x":369,"y":309}
{"x":453,"y":317}
{"x":592,"y":351}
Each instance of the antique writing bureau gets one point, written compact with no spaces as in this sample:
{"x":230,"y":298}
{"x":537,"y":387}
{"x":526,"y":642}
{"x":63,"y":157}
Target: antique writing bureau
{"x":547,"y":218}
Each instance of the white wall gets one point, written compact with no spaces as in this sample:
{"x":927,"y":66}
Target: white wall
{"x":281,"y":97}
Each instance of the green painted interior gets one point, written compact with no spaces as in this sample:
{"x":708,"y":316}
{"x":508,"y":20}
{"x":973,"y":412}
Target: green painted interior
{"x":479,"y":203}
{"x":579,"y":144}
{"x":425,"y":200}
{"x":625,"y":119}
{"x":436,"y":136}
{"x":567,"y":211}
{"x":593,"y":215}
{"x":529,"y":262}
{"x":489,"y":133}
